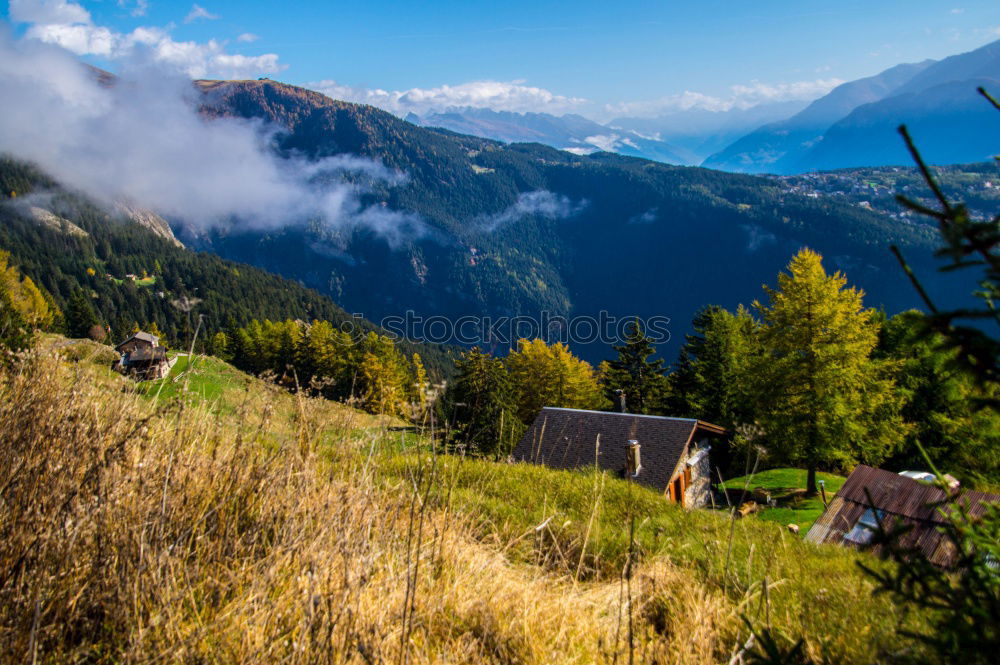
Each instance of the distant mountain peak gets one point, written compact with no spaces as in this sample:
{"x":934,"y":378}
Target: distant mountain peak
{"x":571,"y":132}
{"x":853,"y":125}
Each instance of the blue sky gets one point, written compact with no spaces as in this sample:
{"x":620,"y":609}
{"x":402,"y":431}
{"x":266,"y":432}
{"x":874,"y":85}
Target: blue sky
{"x":596,"y":57}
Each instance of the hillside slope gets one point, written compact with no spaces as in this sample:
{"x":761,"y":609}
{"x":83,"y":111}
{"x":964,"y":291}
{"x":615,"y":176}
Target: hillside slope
{"x":255,"y":526}
{"x":181,"y":284}
{"x":951,"y":121}
{"x":523,"y":228}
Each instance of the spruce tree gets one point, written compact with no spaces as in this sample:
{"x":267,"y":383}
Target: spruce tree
{"x":823,"y":400}
{"x":482,"y":403}
{"x":636,"y":372}
{"x":80,"y":316}
{"x":942,"y":405}
{"x":713,"y":379}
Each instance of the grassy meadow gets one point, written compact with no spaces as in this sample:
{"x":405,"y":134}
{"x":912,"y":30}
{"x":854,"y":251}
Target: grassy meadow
{"x":787,"y":488}
{"x":215,"y":518}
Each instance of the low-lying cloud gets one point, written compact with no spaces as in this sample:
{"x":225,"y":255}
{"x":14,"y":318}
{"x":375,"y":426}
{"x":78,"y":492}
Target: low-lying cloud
{"x":144,"y":141}
{"x":539,"y":203}
{"x":603,"y":143}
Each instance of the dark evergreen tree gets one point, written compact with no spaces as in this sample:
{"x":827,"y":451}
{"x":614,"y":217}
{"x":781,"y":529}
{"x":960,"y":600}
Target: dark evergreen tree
{"x":482,"y":404}
{"x":636,"y":372}
{"x":941,"y":403}
{"x":80,"y":316}
{"x":712,"y":378}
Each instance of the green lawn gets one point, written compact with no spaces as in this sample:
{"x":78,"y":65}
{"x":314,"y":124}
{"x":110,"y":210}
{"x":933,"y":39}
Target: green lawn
{"x":784,"y":486}
{"x":210,"y":379}
{"x":147,"y":281}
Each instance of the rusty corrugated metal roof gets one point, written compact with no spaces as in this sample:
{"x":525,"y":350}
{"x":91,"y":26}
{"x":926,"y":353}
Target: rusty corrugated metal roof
{"x":912,"y":502}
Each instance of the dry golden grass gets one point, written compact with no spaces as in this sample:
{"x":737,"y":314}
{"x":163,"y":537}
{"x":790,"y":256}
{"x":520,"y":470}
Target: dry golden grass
{"x":138,"y":531}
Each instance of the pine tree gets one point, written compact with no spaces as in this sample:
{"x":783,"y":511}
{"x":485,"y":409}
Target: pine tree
{"x":636,"y":373}
{"x":33,"y":304}
{"x":80,"y":316}
{"x":14,"y":333}
{"x":326,"y":358}
{"x":154,"y":329}
{"x":714,"y":375}
{"x":481,"y":400}
{"x":420,"y":389}
{"x":823,"y":399}
{"x":941,"y":404}
{"x":383,"y":376}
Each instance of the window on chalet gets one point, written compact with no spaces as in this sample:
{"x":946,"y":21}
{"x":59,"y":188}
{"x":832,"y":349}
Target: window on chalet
{"x":865,"y":528}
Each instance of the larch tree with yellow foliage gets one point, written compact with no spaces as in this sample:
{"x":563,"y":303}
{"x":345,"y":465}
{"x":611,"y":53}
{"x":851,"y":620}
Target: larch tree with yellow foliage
{"x":550,"y":375}
{"x":24,"y":307}
{"x":383,"y":376}
{"x":824,"y":402}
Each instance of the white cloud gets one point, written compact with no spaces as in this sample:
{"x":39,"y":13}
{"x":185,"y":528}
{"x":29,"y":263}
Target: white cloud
{"x":198,"y":12}
{"x":757,"y":237}
{"x":140,"y":9}
{"x":740,"y":97}
{"x":47,"y":11}
{"x":758,"y":92}
{"x":247,"y":37}
{"x":145,"y":142}
{"x":957,"y":11}
{"x":648,"y":217}
{"x":70,"y":26}
{"x":539,"y":203}
{"x":496,"y":95}
{"x":603,"y":142}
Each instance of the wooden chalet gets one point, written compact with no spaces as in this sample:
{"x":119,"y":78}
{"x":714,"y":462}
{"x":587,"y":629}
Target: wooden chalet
{"x":142,"y":357}
{"x":670,"y":455}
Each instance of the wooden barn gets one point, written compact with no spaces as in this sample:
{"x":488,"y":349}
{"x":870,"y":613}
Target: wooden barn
{"x":142,"y":357}
{"x":670,"y":455}
{"x":852,"y":517}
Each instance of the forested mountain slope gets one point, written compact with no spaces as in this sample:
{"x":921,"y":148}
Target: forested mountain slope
{"x":521,"y":228}
{"x":135,"y":276}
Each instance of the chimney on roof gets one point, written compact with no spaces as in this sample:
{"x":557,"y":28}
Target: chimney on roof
{"x":620,"y":401}
{"x":633,"y":464}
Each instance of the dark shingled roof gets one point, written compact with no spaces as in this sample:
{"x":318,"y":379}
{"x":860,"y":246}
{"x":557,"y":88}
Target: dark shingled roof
{"x":142,"y":337}
{"x":574,"y":438}
{"x":905,"y":499}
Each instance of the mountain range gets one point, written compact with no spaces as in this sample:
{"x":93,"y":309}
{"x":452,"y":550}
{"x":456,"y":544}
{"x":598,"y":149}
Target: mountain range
{"x":854,"y":125}
{"x":851,"y":126}
{"x":570,"y":132}
{"x":703,"y":132}
{"x":520,"y":229}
